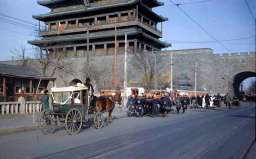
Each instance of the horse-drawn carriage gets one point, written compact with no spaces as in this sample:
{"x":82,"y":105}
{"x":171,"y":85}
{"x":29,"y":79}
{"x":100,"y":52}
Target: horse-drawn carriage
{"x":72,"y":110}
{"x":152,"y":103}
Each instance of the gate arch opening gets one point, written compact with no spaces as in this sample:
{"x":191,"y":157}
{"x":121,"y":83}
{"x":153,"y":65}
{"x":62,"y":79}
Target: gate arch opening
{"x":238,"y":79}
{"x":74,"y":82}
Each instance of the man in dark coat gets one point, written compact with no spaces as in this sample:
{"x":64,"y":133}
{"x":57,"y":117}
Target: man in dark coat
{"x":45,"y":101}
{"x":89,"y":85}
{"x":91,"y":98}
{"x":207,"y":100}
{"x":199,"y":101}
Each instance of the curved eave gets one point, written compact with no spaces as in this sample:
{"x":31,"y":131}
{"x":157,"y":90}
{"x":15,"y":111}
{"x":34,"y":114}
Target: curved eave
{"x":153,"y":3}
{"x":44,"y":42}
{"x":83,"y":36}
{"x":161,"y":43}
{"x":47,"y":3}
{"x":158,"y":17}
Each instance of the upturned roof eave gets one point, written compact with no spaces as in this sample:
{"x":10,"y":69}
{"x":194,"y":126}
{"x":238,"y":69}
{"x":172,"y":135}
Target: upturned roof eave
{"x":47,"y":3}
{"x":156,"y":3}
{"x":131,"y":31}
{"x":83,"y":37}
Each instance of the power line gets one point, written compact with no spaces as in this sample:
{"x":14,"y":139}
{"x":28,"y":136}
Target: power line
{"x":199,"y":25}
{"x":17,"y":24}
{"x":19,"y":33}
{"x":193,"y":2}
{"x":17,"y":19}
{"x":249,"y":8}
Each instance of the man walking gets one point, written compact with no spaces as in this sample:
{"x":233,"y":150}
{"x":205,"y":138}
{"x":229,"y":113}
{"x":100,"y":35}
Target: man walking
{"x":228,"y":100}
{"x":45,"y":101}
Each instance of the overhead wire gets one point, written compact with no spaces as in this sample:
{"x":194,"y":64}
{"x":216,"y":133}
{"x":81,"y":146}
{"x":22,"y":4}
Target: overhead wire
{"x":199,"y":25}
{"x":193,"y":2}
{"x":16,"y":24}
{"x":18,"y":19}
{"x":250,"y":10}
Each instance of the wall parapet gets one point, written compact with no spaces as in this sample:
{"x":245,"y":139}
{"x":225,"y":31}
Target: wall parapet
{"x":234,"y":54}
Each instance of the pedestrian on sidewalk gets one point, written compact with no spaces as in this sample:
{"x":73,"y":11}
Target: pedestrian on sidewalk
{"x":228,"y":100}
{"x":45,"y":101}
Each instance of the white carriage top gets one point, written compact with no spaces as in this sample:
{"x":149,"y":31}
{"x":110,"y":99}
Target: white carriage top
{"x":78,"y":87}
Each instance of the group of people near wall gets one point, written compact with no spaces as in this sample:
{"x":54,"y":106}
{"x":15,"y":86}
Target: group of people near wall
{"x":207,"y":101}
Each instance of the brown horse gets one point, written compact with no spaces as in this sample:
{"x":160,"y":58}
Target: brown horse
{"x":105,"y":104}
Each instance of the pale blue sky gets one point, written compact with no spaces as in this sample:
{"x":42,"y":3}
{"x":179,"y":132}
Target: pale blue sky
{"x":224,"y":19}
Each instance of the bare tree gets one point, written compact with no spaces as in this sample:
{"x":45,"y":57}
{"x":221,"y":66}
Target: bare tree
{"x":49,"y":66}
{"x":147,"y":63}
{"x":20,"y":54}
{"x":97,"y":72}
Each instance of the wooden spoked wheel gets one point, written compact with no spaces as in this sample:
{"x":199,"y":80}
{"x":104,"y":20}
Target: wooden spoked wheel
{"x":46,"y":122}
{"x":73,"y":121}
{"x":98,"y":121}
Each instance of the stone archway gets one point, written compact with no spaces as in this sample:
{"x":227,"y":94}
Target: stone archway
{"x":238,"y":79}
{"x":74,"y":82}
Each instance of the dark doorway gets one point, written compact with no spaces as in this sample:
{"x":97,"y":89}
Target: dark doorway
{"x":10,"y":89}
{"x":238,"y":79}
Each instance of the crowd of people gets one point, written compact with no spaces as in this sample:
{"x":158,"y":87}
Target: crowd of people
{"x":203,"y":101}
{"x":181,"y":102}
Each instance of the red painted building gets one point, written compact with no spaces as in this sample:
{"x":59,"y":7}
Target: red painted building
{"x":16,"y":81}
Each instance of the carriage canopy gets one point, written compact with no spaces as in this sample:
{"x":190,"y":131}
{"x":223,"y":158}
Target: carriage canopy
{"x":63,"y":95}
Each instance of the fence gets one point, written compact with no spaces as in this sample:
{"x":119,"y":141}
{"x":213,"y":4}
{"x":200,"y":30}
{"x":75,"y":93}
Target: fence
{"x":11,"y":108}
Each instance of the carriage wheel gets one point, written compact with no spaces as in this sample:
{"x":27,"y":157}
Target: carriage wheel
{"x":46,"y":123}
{"x":73,"y":121}
{"x":98,"y":121}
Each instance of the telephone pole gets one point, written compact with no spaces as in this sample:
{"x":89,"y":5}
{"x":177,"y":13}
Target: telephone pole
{"x":125,"y":73}
{"x":114,"y":62}
{"x":171,"y":72}
{"x":195,"y":89}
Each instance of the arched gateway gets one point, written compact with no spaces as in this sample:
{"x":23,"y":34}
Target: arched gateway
{"x":238,"y":79}
{"x":74,"y":82}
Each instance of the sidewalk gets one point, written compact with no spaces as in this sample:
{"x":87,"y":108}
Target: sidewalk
{"x":19,"y":123}
{"x":16,"y":123}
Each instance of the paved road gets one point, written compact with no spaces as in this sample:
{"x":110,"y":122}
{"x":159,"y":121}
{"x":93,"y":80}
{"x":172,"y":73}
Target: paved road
{"x":220,"y":133}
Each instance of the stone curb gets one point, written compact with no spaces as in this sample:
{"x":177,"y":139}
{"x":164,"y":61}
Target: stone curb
{"x":7,"y":131}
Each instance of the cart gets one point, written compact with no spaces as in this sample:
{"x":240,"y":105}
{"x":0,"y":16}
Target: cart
{"x":71,"y":110}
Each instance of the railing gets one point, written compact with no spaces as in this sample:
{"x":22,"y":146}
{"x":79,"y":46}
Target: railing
{"x":11,"y":108}
{"x":86,"y":25}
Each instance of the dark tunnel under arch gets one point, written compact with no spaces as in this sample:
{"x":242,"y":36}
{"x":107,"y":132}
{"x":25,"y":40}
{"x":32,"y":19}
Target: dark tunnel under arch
{"x":239,"y":78}
{"x":74,"y":82}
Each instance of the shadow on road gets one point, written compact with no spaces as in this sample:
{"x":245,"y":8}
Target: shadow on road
{"x":243,"y":116}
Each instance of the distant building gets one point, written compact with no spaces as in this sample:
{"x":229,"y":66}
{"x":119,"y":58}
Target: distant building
{"x":97,"y":27}
{"x":16,"y":81}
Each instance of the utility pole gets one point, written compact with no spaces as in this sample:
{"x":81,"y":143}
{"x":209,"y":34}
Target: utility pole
{"x":114,"y":62}
{"x":171,"y":72}
{"x":195,"y":89}
{"x":155,"y":74}
{"x":125,"y":72}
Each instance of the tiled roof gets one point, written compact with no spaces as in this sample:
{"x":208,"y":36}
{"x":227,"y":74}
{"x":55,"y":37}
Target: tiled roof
{"x":96,"y":7}
{"x":20,"y":71}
